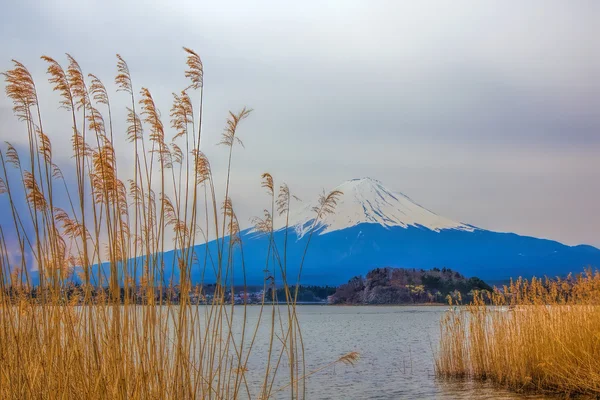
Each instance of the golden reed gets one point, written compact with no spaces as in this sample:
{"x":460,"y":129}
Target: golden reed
{"x":129,"y":330}
{"x":538,"y":335}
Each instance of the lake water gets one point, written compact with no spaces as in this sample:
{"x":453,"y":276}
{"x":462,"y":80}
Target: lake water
{"x":396,"y":345}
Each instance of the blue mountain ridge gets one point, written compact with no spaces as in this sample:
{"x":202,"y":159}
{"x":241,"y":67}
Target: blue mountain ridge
{"x":337,"y":256}
{"x":374,"y":227}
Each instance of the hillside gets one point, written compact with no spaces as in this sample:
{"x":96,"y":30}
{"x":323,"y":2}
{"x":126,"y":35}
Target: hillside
{"x":406,"y":286}
{"x":375,"y":227}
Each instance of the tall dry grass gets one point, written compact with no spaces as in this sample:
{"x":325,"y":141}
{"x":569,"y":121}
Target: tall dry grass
{"x":537,"y":335}
{"x":130,"y":330}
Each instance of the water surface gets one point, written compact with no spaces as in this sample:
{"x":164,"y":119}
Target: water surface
{"x":396,"y":344}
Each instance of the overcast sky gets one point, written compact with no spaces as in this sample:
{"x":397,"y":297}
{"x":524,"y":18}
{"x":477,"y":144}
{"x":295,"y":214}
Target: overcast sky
{"x":486,"y":112}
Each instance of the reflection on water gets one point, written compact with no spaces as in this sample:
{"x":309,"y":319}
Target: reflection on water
{"x":396,"y":346}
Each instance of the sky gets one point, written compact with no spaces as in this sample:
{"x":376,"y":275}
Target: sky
{"x":485,"y":112}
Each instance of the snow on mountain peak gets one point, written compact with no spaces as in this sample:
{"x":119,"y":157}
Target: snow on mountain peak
{"x":366,"y":200}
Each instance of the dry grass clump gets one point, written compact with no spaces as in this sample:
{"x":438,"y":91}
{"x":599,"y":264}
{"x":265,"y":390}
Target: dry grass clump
{"x":538,"y":335}
{"x":104,"y":319}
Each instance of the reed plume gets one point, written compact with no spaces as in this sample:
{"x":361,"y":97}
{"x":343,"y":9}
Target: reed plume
{"x":90,"y":250}
{"x":327,"y":203}
{"x":538,"y":335}
{"x":196,"y":70}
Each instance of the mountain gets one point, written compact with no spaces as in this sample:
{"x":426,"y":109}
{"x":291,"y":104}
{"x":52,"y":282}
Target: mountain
{"x":367,"y":201}
{"x":406,"y":286}
{"x":375,"y":227}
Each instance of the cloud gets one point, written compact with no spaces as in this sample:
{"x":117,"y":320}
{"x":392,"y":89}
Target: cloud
{"x":485,"y":112}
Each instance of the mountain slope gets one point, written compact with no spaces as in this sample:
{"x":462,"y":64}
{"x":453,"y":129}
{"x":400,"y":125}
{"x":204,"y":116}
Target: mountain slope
{"x":368,"y":201}
{"x":374,"y":227}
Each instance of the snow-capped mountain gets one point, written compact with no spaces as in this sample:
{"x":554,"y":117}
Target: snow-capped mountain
{"x":367,"y":201}
{"x":376,"y":227}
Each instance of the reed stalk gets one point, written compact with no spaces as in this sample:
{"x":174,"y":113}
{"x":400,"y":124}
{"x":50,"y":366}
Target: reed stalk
{"x":86,"y":307}
{"x":538,"y":335}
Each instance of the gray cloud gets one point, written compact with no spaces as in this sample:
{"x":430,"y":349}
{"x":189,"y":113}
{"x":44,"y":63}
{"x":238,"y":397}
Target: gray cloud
{"x":485,"y":112}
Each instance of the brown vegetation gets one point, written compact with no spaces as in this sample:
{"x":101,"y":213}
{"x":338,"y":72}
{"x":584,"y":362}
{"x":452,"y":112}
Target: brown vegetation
{"x":75,"y":341}
{"x":406,"y":286}
{"x":538,"y":335}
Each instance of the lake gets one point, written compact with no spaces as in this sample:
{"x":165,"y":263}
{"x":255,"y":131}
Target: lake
{"x":396,"y":344}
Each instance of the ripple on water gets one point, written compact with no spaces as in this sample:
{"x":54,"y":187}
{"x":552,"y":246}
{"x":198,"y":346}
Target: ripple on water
{"x":396,"y":346}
